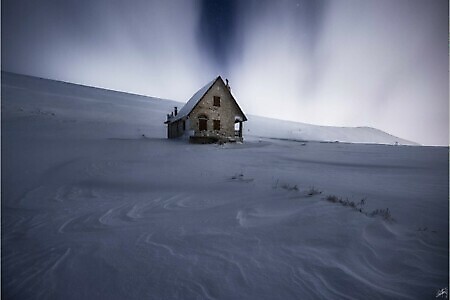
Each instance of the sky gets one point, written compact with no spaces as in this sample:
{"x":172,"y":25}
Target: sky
{"x":382,"y":64}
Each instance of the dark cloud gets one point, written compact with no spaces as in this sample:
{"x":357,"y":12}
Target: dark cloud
{"x":217,"y":29}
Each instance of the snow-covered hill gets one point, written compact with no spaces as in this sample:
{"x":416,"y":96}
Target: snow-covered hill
{"x":267,"y":127}
{"x":97,"y":204}
{"x":153,"y":110}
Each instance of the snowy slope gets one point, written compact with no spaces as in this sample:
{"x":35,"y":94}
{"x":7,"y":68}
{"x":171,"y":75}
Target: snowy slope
{"x":97,"y":204}
{"x":257,"y":126}
{"x":267,"y":127}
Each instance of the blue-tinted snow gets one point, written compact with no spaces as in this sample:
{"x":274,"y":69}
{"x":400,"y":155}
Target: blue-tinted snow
{"x":97,"y":204}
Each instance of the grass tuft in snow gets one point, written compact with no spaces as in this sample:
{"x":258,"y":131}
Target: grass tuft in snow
{"x":241,"y":178}
{"x":289,"y":187}
{"x":237,"y":176}
{"x":312,"y":191}
{"x":359,"y":207}
{"x":285,"y":186}
{"x":384,"y":213}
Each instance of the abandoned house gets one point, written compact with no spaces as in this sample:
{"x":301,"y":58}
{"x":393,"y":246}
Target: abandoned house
{"x":211,"y":115}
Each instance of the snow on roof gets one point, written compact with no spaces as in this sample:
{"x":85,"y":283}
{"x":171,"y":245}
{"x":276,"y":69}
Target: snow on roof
{"x":189,"y":106}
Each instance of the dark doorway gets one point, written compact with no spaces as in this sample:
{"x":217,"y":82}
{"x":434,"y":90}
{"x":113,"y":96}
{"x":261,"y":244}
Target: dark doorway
{"x":202,"y":124}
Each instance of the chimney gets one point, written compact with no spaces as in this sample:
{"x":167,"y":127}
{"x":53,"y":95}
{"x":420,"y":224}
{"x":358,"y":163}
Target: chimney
{"x":176,"y":110}
{"x":227,"y":85}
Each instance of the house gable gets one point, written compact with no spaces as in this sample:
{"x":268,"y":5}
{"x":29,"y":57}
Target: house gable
{"x":199,"y":95}
{"x":211,"y":113}
{"x":227,"y":111}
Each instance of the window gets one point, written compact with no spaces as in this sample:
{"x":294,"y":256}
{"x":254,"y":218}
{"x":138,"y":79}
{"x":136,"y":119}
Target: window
{"x":184,"y":125}
{"x":202,"y":123}
{"x":216,"y":101}
{"x":216,"y":124}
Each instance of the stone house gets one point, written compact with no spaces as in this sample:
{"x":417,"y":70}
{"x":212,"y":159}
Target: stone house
{"x":211,"y":115}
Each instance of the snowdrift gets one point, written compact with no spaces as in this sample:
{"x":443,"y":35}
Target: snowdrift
{"x":98,"y":204}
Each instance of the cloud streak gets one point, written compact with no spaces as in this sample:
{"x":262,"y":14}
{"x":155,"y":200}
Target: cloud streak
{"x":145,"y":47}
{"x":381,"y":64}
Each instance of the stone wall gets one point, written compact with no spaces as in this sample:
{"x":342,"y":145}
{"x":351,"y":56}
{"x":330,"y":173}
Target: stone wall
{"x":226,"y":113}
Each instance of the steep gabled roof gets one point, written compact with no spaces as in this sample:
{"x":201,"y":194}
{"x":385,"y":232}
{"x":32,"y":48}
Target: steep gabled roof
{"x":195,"y":99}
{"x":189,"y":106}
